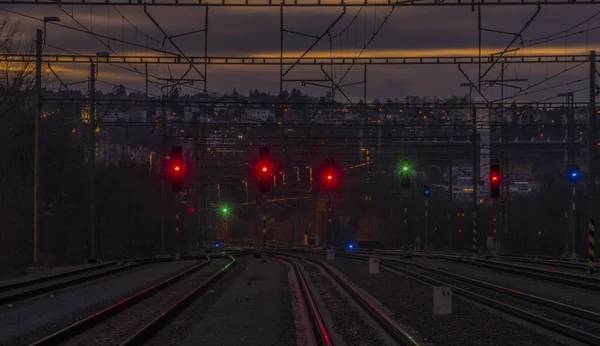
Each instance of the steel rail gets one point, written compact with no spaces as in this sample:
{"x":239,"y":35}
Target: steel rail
{"x":525,"y":315}
{"x":97,"y":318}
{"x":319,"y":328}
{"x":163,"y":319}
{"x":64,"y":274}
{"x":54,"y":286}
{"x":396,"y":332}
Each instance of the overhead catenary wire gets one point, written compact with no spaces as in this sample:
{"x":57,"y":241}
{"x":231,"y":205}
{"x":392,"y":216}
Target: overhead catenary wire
{"x":87,"y":31}
{"x":562,"y":32}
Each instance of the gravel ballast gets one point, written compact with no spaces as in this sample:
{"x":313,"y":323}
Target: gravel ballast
{"x":47,"y":272}
{"x":347,"y":321}
{"x":576,"y":296}
{"x":121,"y":326}
{"x":255,"y":310}
{"x":45,"y":314}
{"x":411,"y":301}
{"x":558,"y":266}
{"x":179,"y":328}
{"x":537,"y":309}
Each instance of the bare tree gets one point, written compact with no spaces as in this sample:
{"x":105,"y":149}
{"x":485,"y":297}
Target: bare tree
{"x":16,"y":78}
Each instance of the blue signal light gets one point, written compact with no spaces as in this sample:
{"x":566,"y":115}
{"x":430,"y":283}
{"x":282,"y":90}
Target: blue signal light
{"x":350,"y":246}
{"x":217,"y":245}
{"x":574,"y":173}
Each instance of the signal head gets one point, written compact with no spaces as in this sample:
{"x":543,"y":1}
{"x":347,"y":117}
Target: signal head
{"x":574,"y":173}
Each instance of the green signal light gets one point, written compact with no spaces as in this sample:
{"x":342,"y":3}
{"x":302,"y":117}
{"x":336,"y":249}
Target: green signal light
{"x":405,"y":168}
{"x":224,"y":211}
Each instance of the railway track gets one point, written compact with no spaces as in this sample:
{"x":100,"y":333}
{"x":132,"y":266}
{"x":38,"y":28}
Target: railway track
{"x":570,"y":279}
{"x":17,"y":291}
{"x":321,"y":330}
{"x":570,"y":321}
{"x":542,"y":260}
{"x":138,"y":317}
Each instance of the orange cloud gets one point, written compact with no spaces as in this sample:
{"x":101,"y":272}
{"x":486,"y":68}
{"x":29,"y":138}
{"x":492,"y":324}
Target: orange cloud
{"x":433,"y":52}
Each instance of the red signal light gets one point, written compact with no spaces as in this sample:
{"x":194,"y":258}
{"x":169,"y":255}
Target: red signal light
{"x":176,"y":168}
{"x":494,"y":178}
{"x":329,"y":177}
{"x":264,"y":169}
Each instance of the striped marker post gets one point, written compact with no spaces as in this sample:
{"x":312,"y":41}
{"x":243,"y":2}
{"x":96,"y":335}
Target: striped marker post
{"x":591,"y":246}
{"x":474,"y":234}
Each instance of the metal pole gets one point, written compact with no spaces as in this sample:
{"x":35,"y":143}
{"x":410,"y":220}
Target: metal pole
{"x":205,"y":48}
{"x":330,"y":224}
{"x":592,"y":164}
{"x":571,"y":158}
{"x":206,"y":224}
{"x":504,"y":202}
{"x":391,"y":226}
{"x":36,"y":168}
{"x":146,"y":74}
{"x":202,"y":218}
{"x":450,"y":204}
{"x":297,"y":204}
{"x":177,"y":255}
{"x":92,"y":162}
{"x":194,"y":228}
{"x":264,"y":223}
{"x":504,"y":238}
{"x":162,"y":180}
{"x":495,"y":228}
{"x":281,"y":49}
{"x":405,"y":215}
{"x":365,"y":89}
{"x":479,"y":39}
{"x":573,"y":227}
{"x":475,"y":178}
{"x":425,"y":224}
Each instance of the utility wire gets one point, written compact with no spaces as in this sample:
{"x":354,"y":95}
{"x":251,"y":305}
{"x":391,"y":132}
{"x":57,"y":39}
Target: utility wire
{"x":560,"y":33}
{"x":541,"y":82}
{"x":126,"y":88}
{"x":110,"y":64}
{"x":85,"y":31}
{"x":107,"y":46}
{"x":135,"y":27}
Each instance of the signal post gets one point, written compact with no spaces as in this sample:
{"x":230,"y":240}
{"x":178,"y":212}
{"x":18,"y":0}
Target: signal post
{"x":263,"y":169}
{"x":328,"y":180}
{"x":495,"y":182}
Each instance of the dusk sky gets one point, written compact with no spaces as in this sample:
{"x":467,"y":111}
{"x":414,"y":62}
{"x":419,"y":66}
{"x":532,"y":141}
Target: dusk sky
{"x":449,"y":31}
